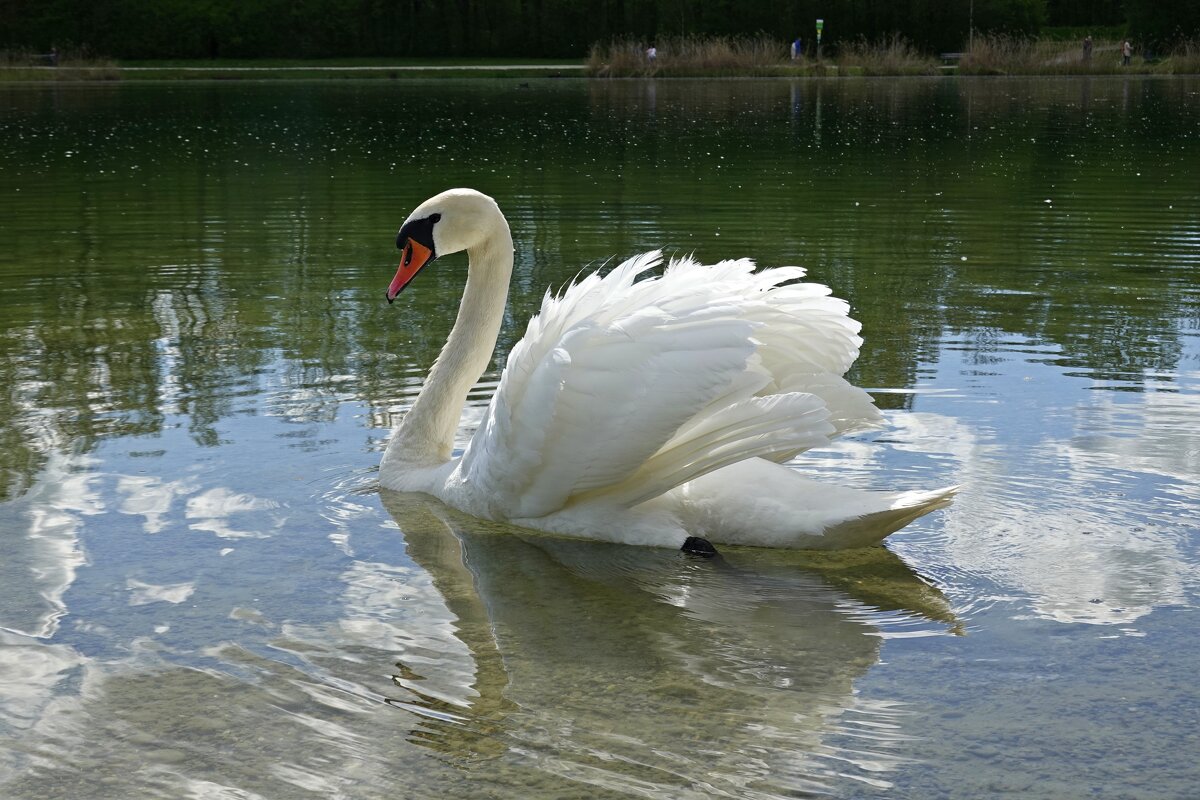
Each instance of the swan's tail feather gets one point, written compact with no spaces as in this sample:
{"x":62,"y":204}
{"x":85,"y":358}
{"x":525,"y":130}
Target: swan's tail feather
{"x":763,"y":504}
{"x":874,"y":527}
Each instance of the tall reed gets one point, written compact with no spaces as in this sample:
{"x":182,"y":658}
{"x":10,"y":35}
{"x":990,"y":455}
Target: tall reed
{"x":1184,"y":59}
{"x":893,"y":55}
{"x":690,"y":56}
{"x":72,"y":64}
{"x":998,"y":54}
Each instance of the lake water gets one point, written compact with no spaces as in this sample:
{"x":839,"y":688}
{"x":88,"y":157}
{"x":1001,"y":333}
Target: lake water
{"x":203,"y":595}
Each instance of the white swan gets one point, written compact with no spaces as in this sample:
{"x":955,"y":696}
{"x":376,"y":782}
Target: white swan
{"x":645,"y":412}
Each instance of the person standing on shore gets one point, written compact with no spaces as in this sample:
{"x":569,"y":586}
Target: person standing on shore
{"x":1087,"y":50}
{"x":1126,"y":52}
{"x":797,"y":48}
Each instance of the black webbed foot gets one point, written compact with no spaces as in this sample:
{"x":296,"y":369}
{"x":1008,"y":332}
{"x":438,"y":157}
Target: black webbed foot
{"x":696,"y":546}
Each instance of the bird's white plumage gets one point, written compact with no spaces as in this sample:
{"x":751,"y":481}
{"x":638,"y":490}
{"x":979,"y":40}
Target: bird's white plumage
{"x":618,"y":378}
{"x":635,"y":402}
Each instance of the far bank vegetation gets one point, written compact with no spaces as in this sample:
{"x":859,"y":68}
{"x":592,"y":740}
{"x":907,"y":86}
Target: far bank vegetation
{"x":76,"y":63}
{"x":762,"y":56}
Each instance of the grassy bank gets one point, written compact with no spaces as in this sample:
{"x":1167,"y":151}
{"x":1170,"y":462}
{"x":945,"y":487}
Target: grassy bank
{"x":677,"y":57}
{"x":894,"y":56}
{"x":688,"y":57}
{"x":1003,"y":55}
{"x":691,"y":57}
{"x":25,"y":65}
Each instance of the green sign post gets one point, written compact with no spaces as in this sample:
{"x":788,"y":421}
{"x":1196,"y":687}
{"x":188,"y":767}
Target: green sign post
{"x":820,"y":27}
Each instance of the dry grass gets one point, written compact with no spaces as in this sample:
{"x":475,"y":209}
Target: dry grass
{"x":1007,"y":55}
{"x":73,"y":64}
{"x":892,"y":56}
{"x":692,"y":56}
{"x":1184,"y":59}
{"x":1004,"y":55}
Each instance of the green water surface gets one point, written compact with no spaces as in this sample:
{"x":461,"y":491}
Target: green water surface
{"x":203,"y":595}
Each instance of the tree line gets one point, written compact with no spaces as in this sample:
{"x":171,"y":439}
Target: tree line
{"x":132,"y":29}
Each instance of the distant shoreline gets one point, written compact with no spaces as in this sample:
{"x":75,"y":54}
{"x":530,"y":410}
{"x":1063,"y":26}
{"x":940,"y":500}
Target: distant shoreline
{"x":297,"y":70}
{"x":244,"y":69}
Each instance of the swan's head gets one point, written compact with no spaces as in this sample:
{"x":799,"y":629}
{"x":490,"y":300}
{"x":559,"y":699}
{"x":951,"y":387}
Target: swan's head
{"x":457,"y":219}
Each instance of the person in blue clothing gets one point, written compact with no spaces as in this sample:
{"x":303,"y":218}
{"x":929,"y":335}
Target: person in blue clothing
{"x":797,"y":49}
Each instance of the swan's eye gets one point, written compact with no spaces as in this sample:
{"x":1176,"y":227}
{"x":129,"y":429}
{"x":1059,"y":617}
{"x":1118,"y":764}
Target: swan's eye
{"x":415,"y":236}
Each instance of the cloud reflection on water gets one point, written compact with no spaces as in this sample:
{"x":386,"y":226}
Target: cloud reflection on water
{"x":1076,"y":523}
{"x":542,"y":662}
{"x":42,"y":548}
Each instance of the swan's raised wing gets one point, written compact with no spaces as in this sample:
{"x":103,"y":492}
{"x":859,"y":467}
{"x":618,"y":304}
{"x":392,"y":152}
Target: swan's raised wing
{"x":627,"y":388}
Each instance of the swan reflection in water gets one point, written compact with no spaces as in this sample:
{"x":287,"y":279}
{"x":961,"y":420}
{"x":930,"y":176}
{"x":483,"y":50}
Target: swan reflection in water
{"x":646,"y":670}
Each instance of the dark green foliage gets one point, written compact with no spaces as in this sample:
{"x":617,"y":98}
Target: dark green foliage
{"x":548,"y":28}
{"x":1161,"y":23}
{"x":1077,"y":13}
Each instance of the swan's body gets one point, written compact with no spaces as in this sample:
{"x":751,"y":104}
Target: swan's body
{"x":641,"y":411}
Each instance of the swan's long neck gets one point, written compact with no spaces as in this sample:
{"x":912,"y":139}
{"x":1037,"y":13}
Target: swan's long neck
{"x":426,"y":434}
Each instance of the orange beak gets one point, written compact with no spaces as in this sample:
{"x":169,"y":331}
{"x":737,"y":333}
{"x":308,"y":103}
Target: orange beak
{"x":416,"y":255}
